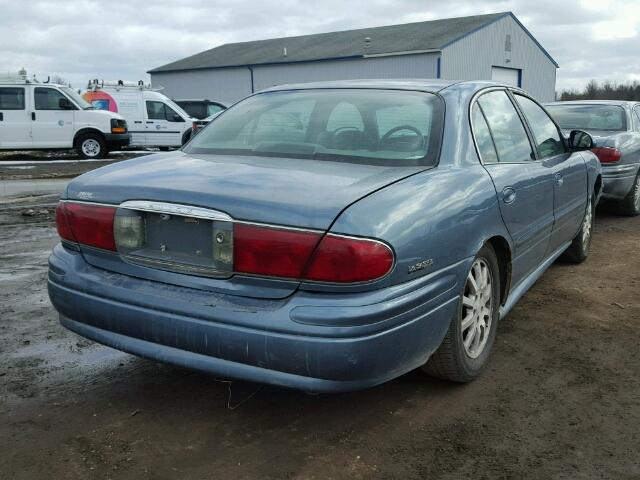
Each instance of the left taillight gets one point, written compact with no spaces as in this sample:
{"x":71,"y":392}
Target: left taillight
{"x":607,"y":154}
{"x":86,"y":224}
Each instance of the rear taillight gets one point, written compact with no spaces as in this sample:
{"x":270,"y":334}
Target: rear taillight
{"x":348,"y":260}
{"x":86,"y":224}
{"x":272,"y":251}
{"x":607,"y":154}
{"x":309,"y":255}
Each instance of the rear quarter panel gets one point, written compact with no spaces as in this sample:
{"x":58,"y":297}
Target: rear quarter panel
{"x":440,"y":216}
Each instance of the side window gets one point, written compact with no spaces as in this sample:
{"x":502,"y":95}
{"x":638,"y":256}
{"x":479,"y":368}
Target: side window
{"x":509,"y":135}
{"x":636,"y":111}
{"x":155,"y":110}
{"x":482,"y":135}
{"x":213,"y":108}
{"x":11,"y":98}
{"x":345,"y":116}
{"x":171,"y":115}
{"x":48,"y":99}
{"x":545,"y":132}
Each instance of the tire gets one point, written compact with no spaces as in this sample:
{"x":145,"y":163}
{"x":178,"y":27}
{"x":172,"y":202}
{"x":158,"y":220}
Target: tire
{"x":578,"y":251}
{"x":91,"y":146}
{"x":630,"y":205}
{"x":454,"y":360}
{"x":186,"y":137}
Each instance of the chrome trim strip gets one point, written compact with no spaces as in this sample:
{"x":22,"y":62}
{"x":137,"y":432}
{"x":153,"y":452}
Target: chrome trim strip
{"x":175,"y":209}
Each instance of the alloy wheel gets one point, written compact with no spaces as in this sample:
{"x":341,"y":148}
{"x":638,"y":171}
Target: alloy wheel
{"x":586,"y":226}
{"x":477,"y":308}
{"x":91,"y":147}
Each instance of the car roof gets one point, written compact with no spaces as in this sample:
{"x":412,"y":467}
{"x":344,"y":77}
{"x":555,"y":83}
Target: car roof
{"x":427,"y":84}
{"x":619,"y":103}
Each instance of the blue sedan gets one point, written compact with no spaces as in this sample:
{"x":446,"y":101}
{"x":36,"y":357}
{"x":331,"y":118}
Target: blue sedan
{"x":328,"y":237}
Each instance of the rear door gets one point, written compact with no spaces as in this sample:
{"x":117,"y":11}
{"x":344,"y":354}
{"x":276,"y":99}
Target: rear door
{"x":52,"y":124}
{"x":570,"y":181}
{"x":15,"y":119}
{"x":524,"y":185}
{"x":163,"y":124}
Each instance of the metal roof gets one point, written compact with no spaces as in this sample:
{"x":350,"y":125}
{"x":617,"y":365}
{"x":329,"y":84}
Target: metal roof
{"x":418,"y":37}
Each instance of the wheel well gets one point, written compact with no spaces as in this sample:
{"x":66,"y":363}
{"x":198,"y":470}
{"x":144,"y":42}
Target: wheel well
{"x":597,"y":188}
{"x":503,"y":253}
{"x":84,"y":131}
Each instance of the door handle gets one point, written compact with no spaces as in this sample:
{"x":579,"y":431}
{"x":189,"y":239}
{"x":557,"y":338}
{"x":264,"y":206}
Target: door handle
{"x":558,"y":179}
{"x":508,"y":195}
{"x":149,"y":121}
{"x":137,"y":121}
{"x":33,"y":115}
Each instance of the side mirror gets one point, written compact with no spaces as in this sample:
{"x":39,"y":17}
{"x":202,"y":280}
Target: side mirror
{"x":65,"y":104}
{"x":580,"y":140}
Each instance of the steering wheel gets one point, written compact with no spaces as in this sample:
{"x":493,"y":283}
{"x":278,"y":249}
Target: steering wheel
{"x":387,"y":135}
{"x":345,"y":129}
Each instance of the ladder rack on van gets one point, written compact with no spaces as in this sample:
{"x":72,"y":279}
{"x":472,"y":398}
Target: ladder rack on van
{"x":20,"y":78}
{"x":96,"y":84}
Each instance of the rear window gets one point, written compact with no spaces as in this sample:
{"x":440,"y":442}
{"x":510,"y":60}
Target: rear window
{"x":387,"y":127}
{"x":589,"y":117}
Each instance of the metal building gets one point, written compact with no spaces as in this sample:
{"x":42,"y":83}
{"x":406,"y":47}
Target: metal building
{"x":495,"y":46}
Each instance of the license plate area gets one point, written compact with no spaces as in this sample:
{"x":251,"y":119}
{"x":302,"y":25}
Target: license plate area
{"x":174,"y":242}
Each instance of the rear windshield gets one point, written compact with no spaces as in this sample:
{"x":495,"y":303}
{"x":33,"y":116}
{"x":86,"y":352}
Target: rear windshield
{"x":388,"y":127}
{"x":589,"y":117}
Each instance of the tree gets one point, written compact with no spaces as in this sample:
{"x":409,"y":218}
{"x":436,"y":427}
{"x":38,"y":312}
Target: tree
{"x":607,"y":90}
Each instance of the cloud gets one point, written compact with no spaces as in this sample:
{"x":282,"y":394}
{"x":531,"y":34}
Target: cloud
{"x":82,"y":39}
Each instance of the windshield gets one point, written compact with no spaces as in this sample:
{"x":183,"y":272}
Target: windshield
{"x":75,"y":96}
{"x":388,"y":127}
{"x":589,"y":117}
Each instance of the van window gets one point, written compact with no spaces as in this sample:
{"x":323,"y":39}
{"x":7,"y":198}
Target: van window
{"x":214,"y":108}
{"x":161,"y":111}
{"x":48,"y":98}
{"x":11,"y":98}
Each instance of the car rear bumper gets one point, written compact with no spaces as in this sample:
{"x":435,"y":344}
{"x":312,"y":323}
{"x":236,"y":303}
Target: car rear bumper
{"x":310,"y":341}
{"x":117,"y":140}
{"x":618,"y":180}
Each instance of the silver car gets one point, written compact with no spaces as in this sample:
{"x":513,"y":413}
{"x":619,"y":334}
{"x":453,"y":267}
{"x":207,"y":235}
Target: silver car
{"x":615,"y":128}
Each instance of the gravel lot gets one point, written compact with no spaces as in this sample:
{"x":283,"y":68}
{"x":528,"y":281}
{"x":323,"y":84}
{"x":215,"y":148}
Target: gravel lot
{"x":560,"y":398}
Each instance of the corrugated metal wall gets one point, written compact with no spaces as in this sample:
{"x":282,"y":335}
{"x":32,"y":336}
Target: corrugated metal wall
{"x":226,"y":85}
{"x":472,"y":58}
{"x":229,"y":85}
{"x":402,"y":66}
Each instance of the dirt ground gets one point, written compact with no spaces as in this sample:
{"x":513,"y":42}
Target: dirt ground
{"x":559,"y":400}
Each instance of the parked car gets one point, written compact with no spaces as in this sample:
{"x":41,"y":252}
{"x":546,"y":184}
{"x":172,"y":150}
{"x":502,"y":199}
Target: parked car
{"x":328,"y":236}
{"x":201,"y":109}
{"x":154,"y":119}
{"x":615,"y":128}
{"x":44,"y":116}
{"x":200,"y":124}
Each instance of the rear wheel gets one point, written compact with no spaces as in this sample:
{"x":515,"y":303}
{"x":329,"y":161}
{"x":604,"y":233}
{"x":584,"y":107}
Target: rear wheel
{"x":630,"y":205}
{"x":578,"y":251}
{"x":468,"y":342}
{"x":91,"y":146}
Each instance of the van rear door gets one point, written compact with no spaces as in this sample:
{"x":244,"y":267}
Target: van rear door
{"x":164,"y":126}
{"x":15,"y":117}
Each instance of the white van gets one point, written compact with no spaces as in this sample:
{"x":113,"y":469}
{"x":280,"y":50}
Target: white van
{"x":154,"y":119}
{"x":43,"y":116}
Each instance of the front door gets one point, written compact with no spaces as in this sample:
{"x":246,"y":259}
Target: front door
{"x":52,"y":118}
{"x":163,"y":125}
{"x":524,"y":185}
{"x":15,"y":118}
{"x":570,"y":180}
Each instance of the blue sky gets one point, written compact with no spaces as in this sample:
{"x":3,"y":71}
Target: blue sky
{"x":82,"y":39}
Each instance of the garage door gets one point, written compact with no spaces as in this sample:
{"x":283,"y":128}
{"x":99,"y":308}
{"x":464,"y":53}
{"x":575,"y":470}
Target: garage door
{"x":508,"y":76}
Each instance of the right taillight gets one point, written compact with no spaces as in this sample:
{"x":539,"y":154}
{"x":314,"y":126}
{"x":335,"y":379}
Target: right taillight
{"x":304,"y":255}
{"x":607,"y":154}
{"x":340,"y":259}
